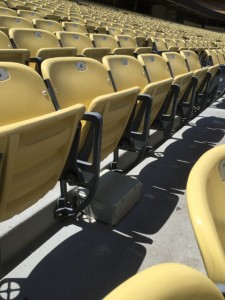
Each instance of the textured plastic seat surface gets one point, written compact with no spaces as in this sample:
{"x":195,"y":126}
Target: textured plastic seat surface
{"x":49,"y":25}
{"x":39,"y":42}
{"x":69,"y":77}
{"x":35,"y":139}
{"x":167,"y":282}
{"x":128,"y":71}
{"x":205,"y":194}
{"x":14,"y":22}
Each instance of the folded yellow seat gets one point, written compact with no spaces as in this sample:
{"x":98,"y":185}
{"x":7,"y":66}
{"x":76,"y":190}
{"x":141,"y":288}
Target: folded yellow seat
{"x":85,"y":80}
{"x":5,"y":11}
{"x":29,"y":15}
{"x":48,"y":25}
{"x":74,"y":27}
{"x":35,"y":139}
{"x":7,"y":53}
{"x":41,"y":44}
{"x":127,"y":71}
{"x":14,"y":22}
{"x":69,"y":78}
{"x":83,"y":44}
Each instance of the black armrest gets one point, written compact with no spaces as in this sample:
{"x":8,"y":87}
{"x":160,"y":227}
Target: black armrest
{"x":93,"y":145}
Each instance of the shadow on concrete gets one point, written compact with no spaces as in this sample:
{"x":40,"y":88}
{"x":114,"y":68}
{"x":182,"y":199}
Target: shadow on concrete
{"x":165,"y":178}
{"x":86,"y":265}
{"x":219,"y":104}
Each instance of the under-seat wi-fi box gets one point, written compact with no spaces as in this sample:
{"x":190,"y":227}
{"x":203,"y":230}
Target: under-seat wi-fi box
{"x":115,"y":196}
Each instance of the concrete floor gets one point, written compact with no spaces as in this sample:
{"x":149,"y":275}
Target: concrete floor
{"x":85,"y":260}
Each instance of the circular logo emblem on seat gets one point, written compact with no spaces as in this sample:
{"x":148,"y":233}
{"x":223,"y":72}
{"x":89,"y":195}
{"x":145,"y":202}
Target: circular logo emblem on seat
{"x":76,"y":36}
{"x":3,"y":74}
{"x":152,"y":59}
{"x":18,"y":21}
{"x":81,"y":66}
{"x":38,"y":34}
{"x":124,"y":61}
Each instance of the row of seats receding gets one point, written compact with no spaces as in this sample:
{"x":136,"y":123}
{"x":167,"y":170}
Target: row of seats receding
{"x":46,"y":141}
{"x":170,"y":94}
{"x":141,"y":38}
{"x":134,"y":26}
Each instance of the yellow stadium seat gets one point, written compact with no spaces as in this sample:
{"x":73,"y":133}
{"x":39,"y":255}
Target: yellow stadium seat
{"x":127,"y":71}
{"x":74,"y":27}
{"x":129,"y":42}
{"x":68,"y":78}
{"x":42,"y":44}
{"x":7,"y":53}
{"x":48,"y":25}
{"x":108,"y":41}
{"x":158,"y":44}
{"x":35,"y":139}
{"x":76,"y":19}
{"x":30,"y":15}
{"x":171,"y":44}
{"x":216,"y":89}
{"x":9,"y":22}
{"x":165,"y":282}
{"x":5,"y":11}
{"x":113,"y":30}
{"x":204,"y":75}
{"x":187,"y":84}
{"x":83,"y":44}
{"x":205,"y":195}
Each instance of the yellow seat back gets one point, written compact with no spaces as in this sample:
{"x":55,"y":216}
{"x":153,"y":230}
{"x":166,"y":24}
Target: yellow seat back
{"x":205,"y":195}
{"x":4,"y":41}
{"x":182,"y":76}
{"x":74,"y":27}
{"x":220,"y":56}
{"x":72,"y":39}
{"x":171,"y":44}
{"x":104,"y":40}
{"x":126,"y":41}
{"x":192,"y":59}
{"x":29,"y":15}
{"x":33,"y":39}
{"x":211,"y":54}
{"x":35,"y":139}
{"x":69,"y":78}
{"x":14,"y":22}
{"x":113,"y":30}
{"x":76,"y":19}
{"x":177,"y":63}
{"x":166,"y":282}
{"x":126,"y":71}
{"x":156,"y":66}
{"x":160,"y":44}
{"x":5,"y":11}
{"x":48,"y":25}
